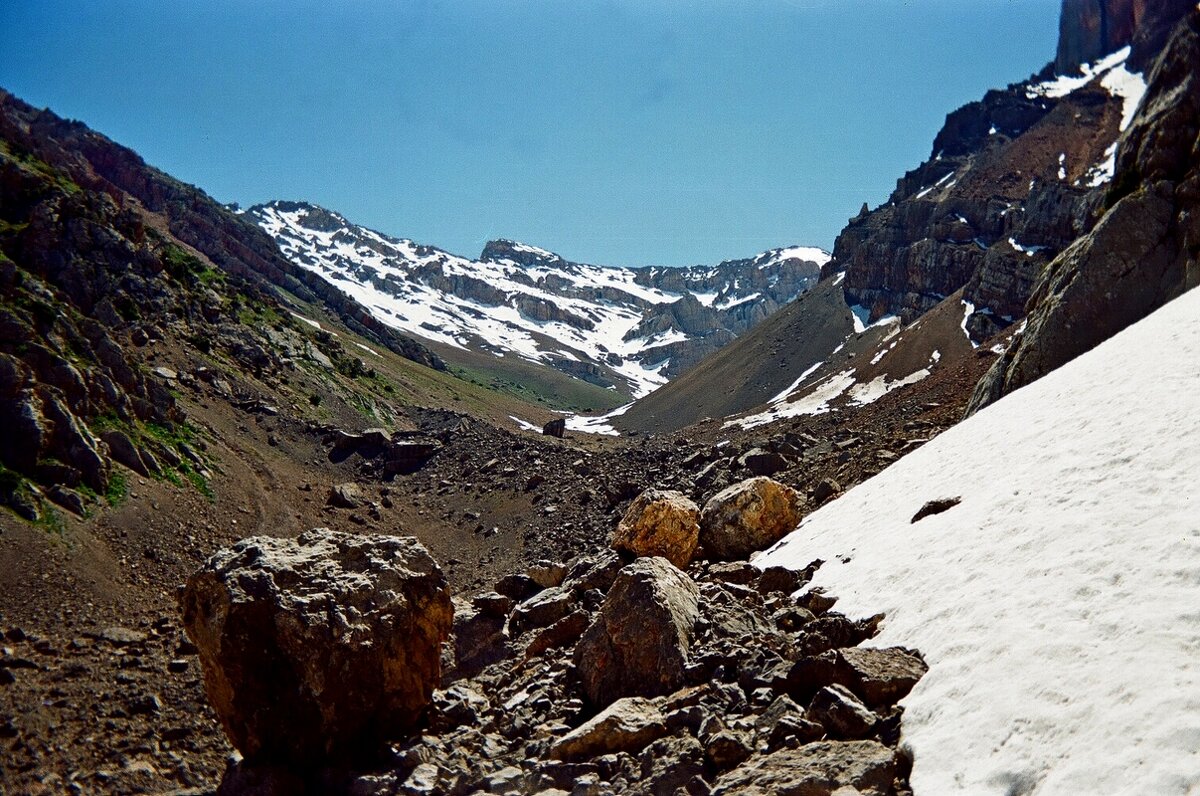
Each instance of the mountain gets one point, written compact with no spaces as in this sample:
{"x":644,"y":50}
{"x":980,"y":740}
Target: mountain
{"x":1019,"y":204}
{"x":628,"y":329}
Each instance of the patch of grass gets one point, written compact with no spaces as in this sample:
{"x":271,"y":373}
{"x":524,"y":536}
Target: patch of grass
{"x":174,"y":435}
{"x":52,"y":522}
{"x":118,"y":489}
{"x":197,"y":480}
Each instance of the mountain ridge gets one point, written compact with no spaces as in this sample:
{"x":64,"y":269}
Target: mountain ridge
{"x":627,"y":329}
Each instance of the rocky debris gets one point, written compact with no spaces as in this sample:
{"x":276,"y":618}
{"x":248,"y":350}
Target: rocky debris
{"x":318,"y":648}
{"x":555,"y":428}
{"x":936,"y":506}
{"x":659,"y":523}
{"x":639,"y":643}
{"x":739,"y":718}
{"x":749,"y":516}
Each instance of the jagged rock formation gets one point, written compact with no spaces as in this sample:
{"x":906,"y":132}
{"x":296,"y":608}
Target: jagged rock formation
{"x":1011,"y":181}
{"x":1145,"y":250}
{"x":632,"y":328}
{"x":316,"y":649}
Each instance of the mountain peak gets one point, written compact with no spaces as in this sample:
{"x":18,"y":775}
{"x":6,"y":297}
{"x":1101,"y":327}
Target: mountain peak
{"x":502,"y":249}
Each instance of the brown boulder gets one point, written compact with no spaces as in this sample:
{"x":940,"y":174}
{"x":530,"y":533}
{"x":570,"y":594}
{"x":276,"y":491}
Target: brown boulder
{"x":815,"y":769}
{"x":321,"y":647}
{"x":638,"y":645}
{"x":879,"y":676}
{"x":660,"y":523}
{"x":626,"y":725}
{"x":749,"y":516}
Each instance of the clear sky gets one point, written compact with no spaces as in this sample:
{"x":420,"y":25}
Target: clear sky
{"x":622,"y":133}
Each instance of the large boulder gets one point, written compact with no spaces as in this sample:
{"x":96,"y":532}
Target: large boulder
{"x":816,"y":769}
{"x":660,"y":523}
{"x":638,"y":645}
{"x":318,"y":648}
{"x":749,"y":516}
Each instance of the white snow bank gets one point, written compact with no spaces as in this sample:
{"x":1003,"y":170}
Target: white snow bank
{"x":1059,"y":604}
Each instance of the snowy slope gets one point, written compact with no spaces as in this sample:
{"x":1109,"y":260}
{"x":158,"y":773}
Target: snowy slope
{"x":624,"y":327}
{"x":1059,"y":604}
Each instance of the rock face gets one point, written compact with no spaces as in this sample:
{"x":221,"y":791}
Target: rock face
{"x":318,"y":648}
{"x":660,"y":523}
{"x":1090,"y":29}
{"x":749,"y":516}
{"x":639,"y":643}
{"x":1145,"y":249}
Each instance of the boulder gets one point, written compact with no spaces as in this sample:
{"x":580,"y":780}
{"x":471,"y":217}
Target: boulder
{"x":318,"y":648}
{"x":638,"y":645}
{"x":123,"y":451}
{"x":347,"y":496}
{"x":815,"y":769}
{"x":542,"y":609}
{"x":660,"y":523}
{"x":555,"y":428}
{"x":626,"y":725}
{"x":763,"y":462}
{"x":841,"y":713}
{"x":749,"y":516}
{"x":879,"y":676}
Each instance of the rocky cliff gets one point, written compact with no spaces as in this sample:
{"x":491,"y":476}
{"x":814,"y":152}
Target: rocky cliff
{"x":1011,"y":181}
{"x":1090,"y":29}
{"x":1145,"y":249}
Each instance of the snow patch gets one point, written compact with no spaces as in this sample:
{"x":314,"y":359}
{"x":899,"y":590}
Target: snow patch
{"x":1056,"y":605}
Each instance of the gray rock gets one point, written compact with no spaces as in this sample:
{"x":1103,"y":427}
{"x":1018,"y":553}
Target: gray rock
{"x":841,"y":713}
{"x":626,"y":725}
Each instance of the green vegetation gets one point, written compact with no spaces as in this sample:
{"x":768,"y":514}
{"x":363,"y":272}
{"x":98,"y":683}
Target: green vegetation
{"x":118,"y":489}
{"x":51,"y":521}
{"x":29,"y":162}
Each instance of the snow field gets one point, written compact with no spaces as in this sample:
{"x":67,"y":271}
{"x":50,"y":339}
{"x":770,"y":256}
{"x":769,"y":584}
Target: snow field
{"x":1058,"y":605}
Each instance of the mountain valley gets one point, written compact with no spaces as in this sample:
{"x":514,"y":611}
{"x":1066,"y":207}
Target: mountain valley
{"x":519,"y":446}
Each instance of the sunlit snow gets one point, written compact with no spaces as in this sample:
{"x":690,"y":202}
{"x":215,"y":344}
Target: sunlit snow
{"x":1057,"y":604}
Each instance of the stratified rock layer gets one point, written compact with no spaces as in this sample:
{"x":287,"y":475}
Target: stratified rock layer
{"x":321,"y":647}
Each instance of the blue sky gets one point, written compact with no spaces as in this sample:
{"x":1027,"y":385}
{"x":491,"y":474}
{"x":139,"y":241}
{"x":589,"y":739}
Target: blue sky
{"x":623,"y":133}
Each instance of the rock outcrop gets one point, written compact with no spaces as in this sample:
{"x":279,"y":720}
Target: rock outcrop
{"x":748,"y":517}
{"x":660,"y":523}
{"x":320,"y":648}
{"x":1144,"y":251}
{"x":639,"y":643}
